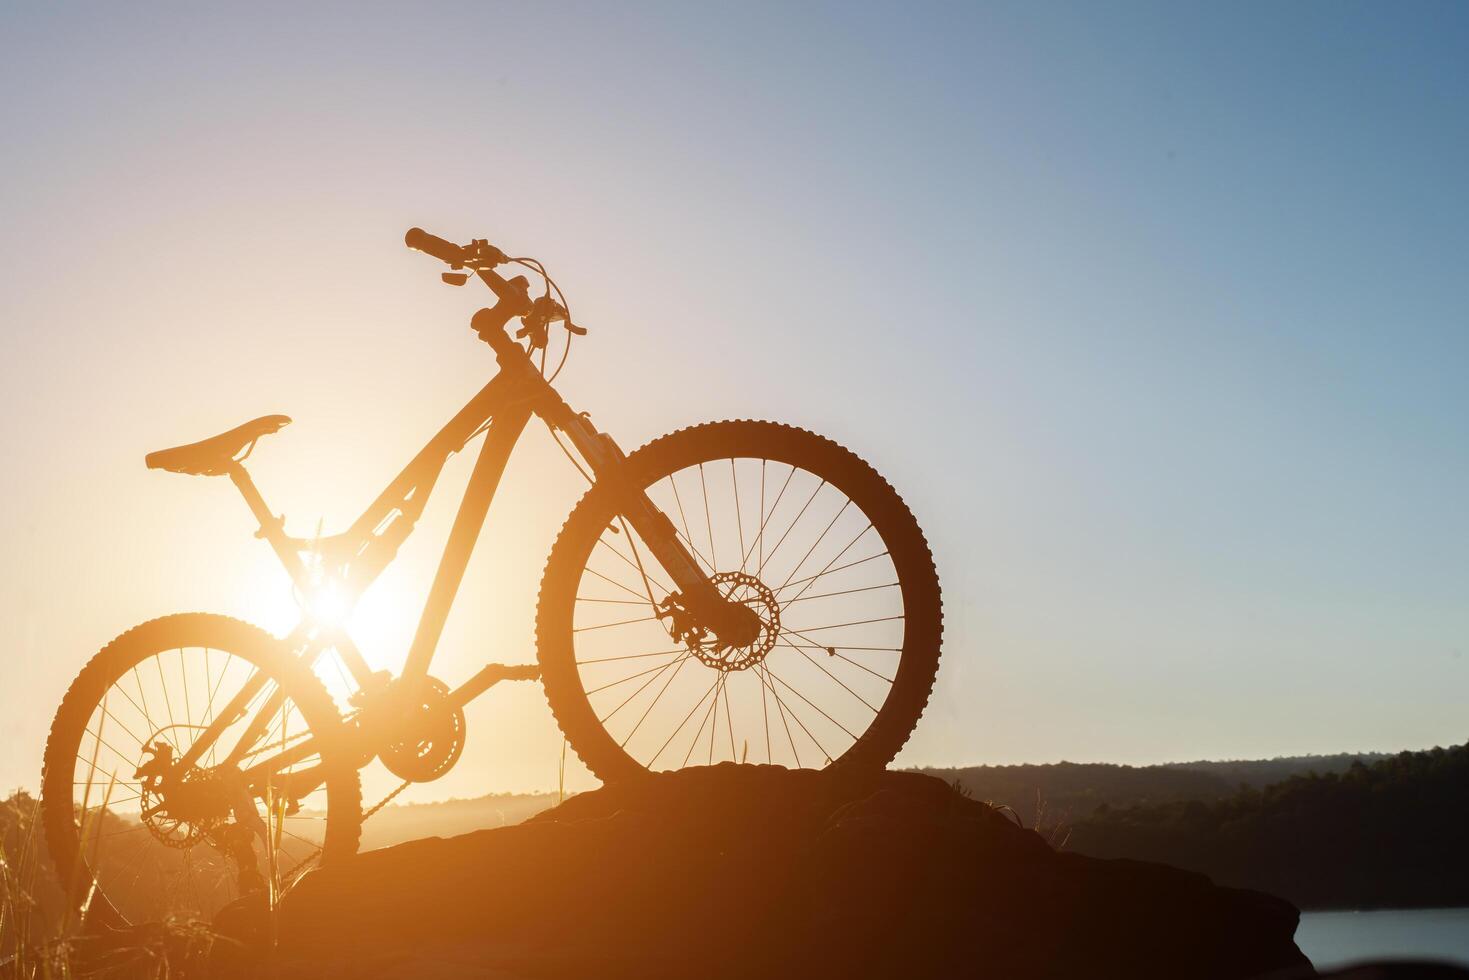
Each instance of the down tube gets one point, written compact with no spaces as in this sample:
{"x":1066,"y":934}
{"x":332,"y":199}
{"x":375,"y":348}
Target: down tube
{"x":504,"y":431}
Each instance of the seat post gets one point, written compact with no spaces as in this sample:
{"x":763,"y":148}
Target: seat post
{"x":272,"y":528}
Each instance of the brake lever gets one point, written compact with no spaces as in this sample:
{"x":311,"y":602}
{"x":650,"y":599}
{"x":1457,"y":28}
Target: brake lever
{"x":485,"y":255}
{"x":535,"y":329}
{"x":546,"y":311}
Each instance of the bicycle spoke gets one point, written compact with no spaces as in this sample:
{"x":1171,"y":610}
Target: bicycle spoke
{"x":834,"y":560}
{"x":184,"y":675}
{"x":157,"y":662}
{"x":813,"y":704}
{"x":728,"y":717}
{"x":764,"y":673}
{"x":640,"y":690}
{"x":270,"y":745}
{"x":114,"y":801}
{"x":603,"y":626}
{"x":118,"y":833}
{"x":820,"y":538}
{"x":633,"y":565}
{"x":787,"y":603}
{"x":656,"y":698}
{"x":630,"y":677}
{"x":818,"y":665}
{"x":734,"y":481}
{"x":107,"y":744}
{"x":765,"y":717}
{"x":695,"y":551}
{"x":714,"y":704}
{"x":641,"y":598}
{"x":118,"y":722}
{"x":148,"y":718}
{"x":678,"y":500}
{"x":654,"y":760}
{"x":844,"y":646}
{"x":746,"y":555}
{"x":792,"y":527}
{"x":683,"y":519}
{"x":630,"y":656}
{"x":830,"y":571}
{"x":832,"y":651}
{"x":305,"y":840}
{"x":837,"y":626}
{"x":714,"y":689}
{"x":123,"y":691}
{"x":708,"y":522}
{"x":764,"y":517}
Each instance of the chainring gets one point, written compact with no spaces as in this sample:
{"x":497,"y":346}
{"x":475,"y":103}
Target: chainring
{"x":433,"y":736}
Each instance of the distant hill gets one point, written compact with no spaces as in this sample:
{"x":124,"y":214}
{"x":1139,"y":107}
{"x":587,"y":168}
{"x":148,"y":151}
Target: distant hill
{"x":1388,"y":834}
{"x":1260,"y":773}
{"x":1059,"y":794}
{"x":396,"y":823}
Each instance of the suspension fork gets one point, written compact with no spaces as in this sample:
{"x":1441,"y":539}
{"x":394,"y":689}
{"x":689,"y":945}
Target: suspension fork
{"x":609,"y":463}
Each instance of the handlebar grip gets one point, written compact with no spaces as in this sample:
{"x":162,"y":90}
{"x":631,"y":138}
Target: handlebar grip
{"x":445,"y":251}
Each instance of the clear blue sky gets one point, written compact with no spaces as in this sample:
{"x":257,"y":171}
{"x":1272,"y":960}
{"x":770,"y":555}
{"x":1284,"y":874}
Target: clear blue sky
{"x":1155,"y":313}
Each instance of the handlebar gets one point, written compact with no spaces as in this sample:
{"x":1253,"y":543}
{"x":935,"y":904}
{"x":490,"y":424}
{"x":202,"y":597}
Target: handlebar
{"x":515,"y":301}
{"x":480,"y":256}
{"x":445,"y":251}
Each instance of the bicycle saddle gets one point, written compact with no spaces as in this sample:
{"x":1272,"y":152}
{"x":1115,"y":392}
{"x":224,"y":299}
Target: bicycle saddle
{"x":212,"y":456}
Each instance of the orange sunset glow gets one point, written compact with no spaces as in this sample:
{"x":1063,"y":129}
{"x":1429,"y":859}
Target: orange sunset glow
{"x":584,"y":490}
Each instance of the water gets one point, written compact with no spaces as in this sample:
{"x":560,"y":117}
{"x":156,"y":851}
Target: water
{"x":1334,"y":939}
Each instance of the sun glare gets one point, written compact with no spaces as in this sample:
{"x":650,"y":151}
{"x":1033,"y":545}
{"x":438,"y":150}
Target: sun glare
{"x":329,"y":605}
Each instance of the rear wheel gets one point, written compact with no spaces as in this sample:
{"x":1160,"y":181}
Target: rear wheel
{"x":135,"y":834}
{"x":794,"y":527}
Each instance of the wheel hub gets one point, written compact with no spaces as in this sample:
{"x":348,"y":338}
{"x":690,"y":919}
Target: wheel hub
{"x":181,"y":806}
{"x":759,"y":622}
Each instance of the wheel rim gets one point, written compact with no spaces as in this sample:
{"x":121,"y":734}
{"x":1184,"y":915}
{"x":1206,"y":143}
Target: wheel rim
{"x":169,"y":840}
{"x":789,"y":543}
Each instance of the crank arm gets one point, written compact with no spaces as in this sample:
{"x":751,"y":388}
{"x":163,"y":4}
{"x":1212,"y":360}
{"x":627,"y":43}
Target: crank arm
{"x":488,"y":677}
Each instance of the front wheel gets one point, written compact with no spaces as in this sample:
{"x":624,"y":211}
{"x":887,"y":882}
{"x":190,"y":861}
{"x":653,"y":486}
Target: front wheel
{"x":798,"y":529}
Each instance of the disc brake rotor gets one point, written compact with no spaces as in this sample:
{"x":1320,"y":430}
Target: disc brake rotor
{"x":180,"y":807}
{"x":738,"y":587}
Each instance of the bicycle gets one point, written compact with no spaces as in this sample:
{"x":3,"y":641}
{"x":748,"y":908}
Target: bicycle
{"x":817,"y":576}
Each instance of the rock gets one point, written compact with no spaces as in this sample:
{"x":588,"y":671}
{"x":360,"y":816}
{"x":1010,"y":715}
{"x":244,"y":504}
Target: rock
{"x":760,"y":871}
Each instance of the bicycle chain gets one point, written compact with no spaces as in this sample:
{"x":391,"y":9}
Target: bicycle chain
{"x":302,"y":866}
{"x":386,"y":799}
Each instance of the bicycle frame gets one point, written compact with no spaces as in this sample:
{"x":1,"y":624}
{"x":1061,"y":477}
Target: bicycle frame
{"x":355,"y":558}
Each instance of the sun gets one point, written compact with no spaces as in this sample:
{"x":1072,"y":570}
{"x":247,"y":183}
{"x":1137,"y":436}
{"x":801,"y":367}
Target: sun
{"x":328,"y":605}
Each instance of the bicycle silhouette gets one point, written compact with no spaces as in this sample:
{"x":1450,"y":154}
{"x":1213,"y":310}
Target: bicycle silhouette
{"x":737,"y":590}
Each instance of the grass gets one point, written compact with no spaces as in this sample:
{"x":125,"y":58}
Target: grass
{"x":42,"y":939}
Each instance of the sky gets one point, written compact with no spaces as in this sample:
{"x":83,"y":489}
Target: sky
{"x":1154,"y":314}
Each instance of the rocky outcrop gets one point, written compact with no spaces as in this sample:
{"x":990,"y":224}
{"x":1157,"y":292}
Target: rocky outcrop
{"x":759,"y":871}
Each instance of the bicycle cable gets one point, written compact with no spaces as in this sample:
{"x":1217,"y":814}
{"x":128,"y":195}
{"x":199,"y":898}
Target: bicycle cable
{"x":536,"y":266}
{"x":560,"y":445}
